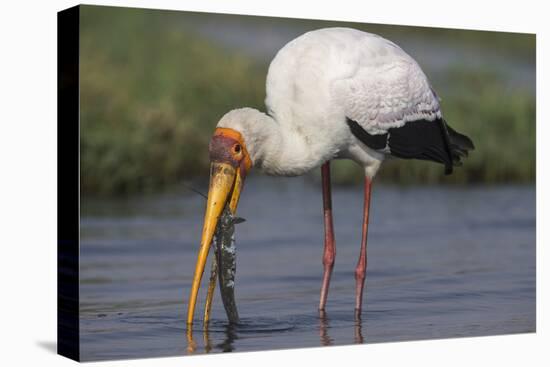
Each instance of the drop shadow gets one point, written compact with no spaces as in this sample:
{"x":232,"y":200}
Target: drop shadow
{"x":48,"y":345}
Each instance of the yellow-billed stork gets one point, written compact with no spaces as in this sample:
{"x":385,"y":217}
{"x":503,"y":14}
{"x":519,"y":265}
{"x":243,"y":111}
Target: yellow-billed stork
{"x":331,"y":93}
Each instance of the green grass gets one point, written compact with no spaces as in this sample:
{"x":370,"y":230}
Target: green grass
{"x":150,"y":98}
{"x":152,"y":93}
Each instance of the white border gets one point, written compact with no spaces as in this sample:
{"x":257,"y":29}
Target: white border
{"x":28,"y":189}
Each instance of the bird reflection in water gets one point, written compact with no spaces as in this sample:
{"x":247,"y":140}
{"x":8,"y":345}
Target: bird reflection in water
{"x":358,"y":328}
{"x":230,"y":336}
{"x":225,"y":346}
{"x":191,"y":345}
{"x":324,"y":325}
{"x":206,"y":339}
{"x":230,"y":331}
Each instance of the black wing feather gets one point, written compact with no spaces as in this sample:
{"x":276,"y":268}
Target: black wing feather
{"x":422,"y":139}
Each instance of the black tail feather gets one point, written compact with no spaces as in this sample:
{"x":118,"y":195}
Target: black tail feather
{"x":458,"y":139}
{"x":421,"y":139}
{"x":459,"y":144}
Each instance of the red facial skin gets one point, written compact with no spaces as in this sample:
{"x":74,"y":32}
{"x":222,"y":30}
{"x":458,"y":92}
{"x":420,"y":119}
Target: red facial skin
{"x":227,"y":146}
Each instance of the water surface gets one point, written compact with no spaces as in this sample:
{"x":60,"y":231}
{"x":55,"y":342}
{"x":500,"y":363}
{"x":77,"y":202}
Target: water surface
{"x":442,"y":262}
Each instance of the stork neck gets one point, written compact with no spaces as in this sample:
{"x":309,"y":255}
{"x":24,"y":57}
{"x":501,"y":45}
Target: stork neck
{"x":280,"y":150}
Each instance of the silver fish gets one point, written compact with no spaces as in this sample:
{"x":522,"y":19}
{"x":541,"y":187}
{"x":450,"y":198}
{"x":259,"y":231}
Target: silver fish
{"x":226,"y":257}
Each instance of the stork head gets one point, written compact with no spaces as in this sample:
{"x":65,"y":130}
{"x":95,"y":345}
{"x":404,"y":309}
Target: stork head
{"x":230,"y":161}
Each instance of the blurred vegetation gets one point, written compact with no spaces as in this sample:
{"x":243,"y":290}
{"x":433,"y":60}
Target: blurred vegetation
{"x":150,"y":98}
{"x":517,"y":45}
{"x":152,"y":93}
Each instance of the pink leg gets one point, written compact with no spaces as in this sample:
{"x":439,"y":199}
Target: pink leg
{"x":330,"y":249}
{"x":360,"y":270}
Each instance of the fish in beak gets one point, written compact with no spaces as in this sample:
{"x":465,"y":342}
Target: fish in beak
{"x":229,"y":164}
{"x":226,"y":260}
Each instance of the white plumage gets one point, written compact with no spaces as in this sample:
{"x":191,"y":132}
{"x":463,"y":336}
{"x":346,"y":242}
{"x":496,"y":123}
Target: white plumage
{"x":331,"y":93}
{"x":349,"y":73}
{"x":317,"y":81}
